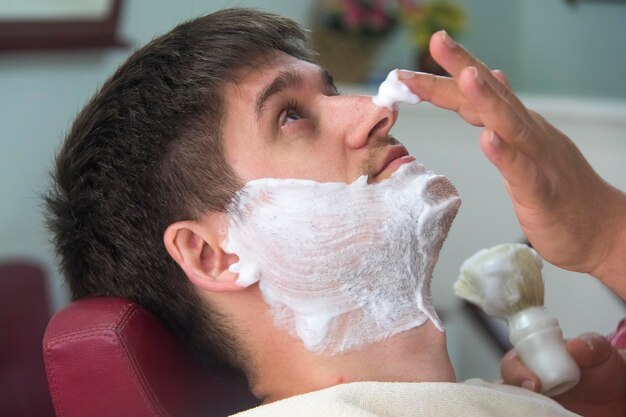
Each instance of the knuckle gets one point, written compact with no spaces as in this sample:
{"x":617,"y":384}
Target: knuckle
{"x":502,"y":90}
{"x":467,"y":60}
{"x":503,"y":80}
{"x":536,"y":117}
{"x":433,"y":80}
{"x":522,"y":131}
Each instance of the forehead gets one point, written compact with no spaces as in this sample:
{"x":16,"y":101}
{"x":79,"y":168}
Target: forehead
{"x":249,"y":80}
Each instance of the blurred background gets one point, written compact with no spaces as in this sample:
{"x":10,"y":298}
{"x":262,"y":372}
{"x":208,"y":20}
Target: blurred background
{"x":567,"y":59}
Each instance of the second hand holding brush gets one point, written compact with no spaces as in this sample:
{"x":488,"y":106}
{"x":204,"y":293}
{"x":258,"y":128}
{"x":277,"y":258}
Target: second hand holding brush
{"x":505,"y":281}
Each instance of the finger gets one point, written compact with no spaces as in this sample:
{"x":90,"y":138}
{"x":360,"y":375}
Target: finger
{"x":454,"y":59}
{"x":590,"y":350}
{"x":501,"y":76}
{"x":497,"y":114}
{"x":602,"y":374}
{"x":517,"y":169}
{"x":515,"y":373}
{"x":442,"y":92}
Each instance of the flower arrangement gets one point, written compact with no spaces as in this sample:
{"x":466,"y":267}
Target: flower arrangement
{"x":348,"y":33}
{"x":378,"y":17}
{"x":422,"y":20}
{"x":358,"y":17}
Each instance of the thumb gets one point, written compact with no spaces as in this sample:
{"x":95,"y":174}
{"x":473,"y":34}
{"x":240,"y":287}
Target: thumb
{"x":590,"y":350}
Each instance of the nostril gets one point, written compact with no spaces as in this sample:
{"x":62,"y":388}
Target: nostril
{"x":381,"y":125}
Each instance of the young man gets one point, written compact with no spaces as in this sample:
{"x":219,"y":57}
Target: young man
{"x":160,"y":152}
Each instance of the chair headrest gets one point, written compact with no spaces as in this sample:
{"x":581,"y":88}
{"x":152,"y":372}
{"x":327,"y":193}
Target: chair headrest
{"x":110,"y":357}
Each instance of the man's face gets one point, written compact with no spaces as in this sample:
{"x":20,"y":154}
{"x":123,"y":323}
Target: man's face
{"x":286,"y":120}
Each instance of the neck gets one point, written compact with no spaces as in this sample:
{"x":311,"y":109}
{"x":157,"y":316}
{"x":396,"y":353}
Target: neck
{"x":417,"y":355}
{"x":278,"y":365}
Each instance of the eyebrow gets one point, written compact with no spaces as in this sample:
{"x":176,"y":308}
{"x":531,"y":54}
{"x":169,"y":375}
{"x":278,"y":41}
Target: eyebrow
{"x":288,"y":80}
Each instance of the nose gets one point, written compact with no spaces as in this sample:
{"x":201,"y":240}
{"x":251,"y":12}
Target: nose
{"x":360,"y":120}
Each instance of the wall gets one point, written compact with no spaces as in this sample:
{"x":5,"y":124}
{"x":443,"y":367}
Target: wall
{"x":573,"y":50}
{"x":544,"y":46}
{"x":495,"y":34}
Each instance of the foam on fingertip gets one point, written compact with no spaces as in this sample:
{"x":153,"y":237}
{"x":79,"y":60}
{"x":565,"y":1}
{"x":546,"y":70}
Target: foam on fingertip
{"x":392,"y":92}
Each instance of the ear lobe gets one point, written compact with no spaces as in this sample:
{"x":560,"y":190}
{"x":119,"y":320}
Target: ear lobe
{"x":195,"y":248}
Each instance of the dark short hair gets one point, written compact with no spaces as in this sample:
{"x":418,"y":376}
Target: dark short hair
{"x":144,"y":153}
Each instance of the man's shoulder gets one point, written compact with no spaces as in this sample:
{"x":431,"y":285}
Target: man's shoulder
{"x":432,"y":399}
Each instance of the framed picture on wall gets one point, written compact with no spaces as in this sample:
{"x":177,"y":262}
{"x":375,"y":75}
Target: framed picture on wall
{"x":59,"y":24}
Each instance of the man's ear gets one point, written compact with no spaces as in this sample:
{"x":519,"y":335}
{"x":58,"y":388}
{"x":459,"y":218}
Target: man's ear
{"x":195,"y":246}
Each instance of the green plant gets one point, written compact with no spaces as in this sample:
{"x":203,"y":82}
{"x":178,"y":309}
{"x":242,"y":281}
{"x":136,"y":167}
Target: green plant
{"x":422,"y":20}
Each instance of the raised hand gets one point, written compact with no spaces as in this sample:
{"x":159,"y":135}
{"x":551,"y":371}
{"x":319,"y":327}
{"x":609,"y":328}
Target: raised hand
{"x":572,"y":217}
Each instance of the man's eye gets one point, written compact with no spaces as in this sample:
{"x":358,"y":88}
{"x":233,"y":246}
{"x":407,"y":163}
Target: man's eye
{"x":291,"y":116}
{"x":291,"y":113}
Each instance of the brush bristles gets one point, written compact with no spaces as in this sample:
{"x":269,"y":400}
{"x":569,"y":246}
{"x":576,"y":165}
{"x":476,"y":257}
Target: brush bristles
{"x":503,"y":280}
{"x":469,"y":287}
{"x":529,"y":281}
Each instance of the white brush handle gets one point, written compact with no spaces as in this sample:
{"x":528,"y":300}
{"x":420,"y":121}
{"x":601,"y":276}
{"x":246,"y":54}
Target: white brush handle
{"x":538,"y":341}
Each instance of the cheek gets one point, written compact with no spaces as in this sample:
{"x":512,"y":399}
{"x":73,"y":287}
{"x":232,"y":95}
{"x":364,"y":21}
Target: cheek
{"x":250,"y":165}
{"x":316,"y":163}
{"x":303,"y":158}
{"x":244,"y":151}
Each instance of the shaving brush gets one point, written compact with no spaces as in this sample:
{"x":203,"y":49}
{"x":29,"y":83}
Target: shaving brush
{"x":505,"y":282}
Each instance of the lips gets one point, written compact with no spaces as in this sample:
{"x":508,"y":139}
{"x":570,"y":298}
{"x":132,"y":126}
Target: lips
{"x":396,"y":156}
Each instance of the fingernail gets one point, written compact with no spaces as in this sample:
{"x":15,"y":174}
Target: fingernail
{"x":479,"y":80}
{"x":494,"y":139}
{"x":529,"y":385}
{"x":406,"y":75}
{"x":447,"y":40}
{"x":592,"y":339}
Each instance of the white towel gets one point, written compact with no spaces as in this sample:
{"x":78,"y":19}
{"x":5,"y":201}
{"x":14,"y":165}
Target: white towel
{"x":474,"y":398}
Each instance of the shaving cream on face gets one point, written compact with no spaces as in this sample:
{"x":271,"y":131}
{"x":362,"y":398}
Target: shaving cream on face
{"x":392,"y":92}
{"x":343,"y":265}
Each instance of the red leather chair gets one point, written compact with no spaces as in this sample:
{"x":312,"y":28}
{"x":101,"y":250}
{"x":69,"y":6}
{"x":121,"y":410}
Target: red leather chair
{"x":24,"y":312}
{"x":108,"y":357}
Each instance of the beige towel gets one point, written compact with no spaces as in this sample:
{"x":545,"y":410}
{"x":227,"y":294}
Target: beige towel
{"x":395,"y":399}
